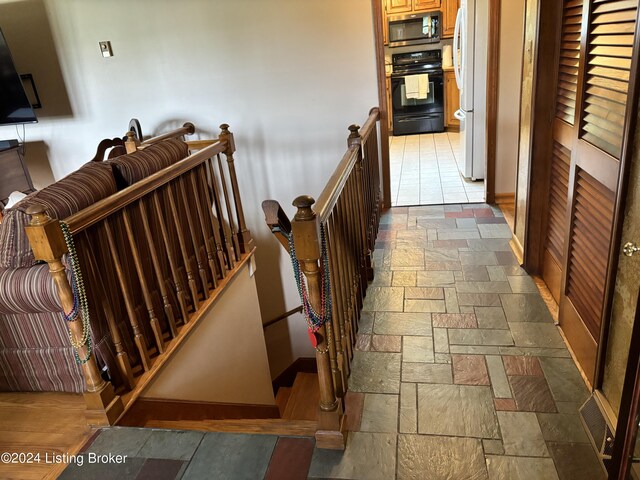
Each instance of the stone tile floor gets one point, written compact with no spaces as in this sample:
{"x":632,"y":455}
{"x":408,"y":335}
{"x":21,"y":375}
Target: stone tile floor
{"x":459,"y":373}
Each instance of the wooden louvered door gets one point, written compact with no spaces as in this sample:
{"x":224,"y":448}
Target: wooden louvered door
{"x":563,"y":140}
{"x":595,"y":141}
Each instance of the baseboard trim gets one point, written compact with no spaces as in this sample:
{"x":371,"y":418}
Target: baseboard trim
{"x":504,"y":198}
{"x":288,"y":376}
{"x":147,"y":409}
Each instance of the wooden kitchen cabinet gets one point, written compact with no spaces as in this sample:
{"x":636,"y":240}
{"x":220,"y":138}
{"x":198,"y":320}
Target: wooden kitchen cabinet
{"x":449,"y":14}
{"x":426,"y":5}
{"x":398,"y":6}
{"x":392,"y":7}
{"x":451,"y":99}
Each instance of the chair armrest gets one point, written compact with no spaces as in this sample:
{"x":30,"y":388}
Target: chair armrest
{"x":28,"y":290}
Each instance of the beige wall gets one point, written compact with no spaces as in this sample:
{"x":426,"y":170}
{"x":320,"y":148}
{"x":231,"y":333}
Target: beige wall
{"x":289,"y":76}
{"x":625,"y":297}
{"x":509,"y":87}
{"x":224,"y":359}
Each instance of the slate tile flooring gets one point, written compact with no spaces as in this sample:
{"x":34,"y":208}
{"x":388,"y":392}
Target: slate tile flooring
{"x":459,"y":373}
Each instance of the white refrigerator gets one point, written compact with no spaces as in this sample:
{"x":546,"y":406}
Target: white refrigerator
{"x":471,"y":39}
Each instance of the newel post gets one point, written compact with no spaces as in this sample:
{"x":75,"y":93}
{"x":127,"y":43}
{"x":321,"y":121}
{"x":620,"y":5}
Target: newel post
{"x":131,"y":143}
{"x":331,"y":422}
{"x":355,"y":139}
{"x":48,"y":244}
{"x":244,"y":235}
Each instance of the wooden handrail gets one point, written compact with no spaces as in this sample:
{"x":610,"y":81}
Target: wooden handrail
{"x":105,"y":207}
{"x":327,"y":199}
{"x":186,"y":129}
{"x":152,"y":257}
{"x":336,"y":235}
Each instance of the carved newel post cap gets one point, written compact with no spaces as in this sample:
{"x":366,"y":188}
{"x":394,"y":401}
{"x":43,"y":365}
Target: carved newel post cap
{"x":354,"y":130}
{"x":131,"y":136}
{"x":303,"y":203}
{"x":191,"y":128}
{"x":225,"y":128}
{"x":38,"y":214}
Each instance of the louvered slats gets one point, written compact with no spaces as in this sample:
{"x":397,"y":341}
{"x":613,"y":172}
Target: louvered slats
{"x":610,"y":50}
{"x":558,"y":191}
{"x":569,"y":61}
{"x":589,"y":251}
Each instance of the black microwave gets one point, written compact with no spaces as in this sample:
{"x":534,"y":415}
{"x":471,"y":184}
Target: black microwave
{"x":414,"y":29}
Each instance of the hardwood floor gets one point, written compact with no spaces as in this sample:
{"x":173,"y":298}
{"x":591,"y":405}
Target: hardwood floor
{"x":40,"y":423}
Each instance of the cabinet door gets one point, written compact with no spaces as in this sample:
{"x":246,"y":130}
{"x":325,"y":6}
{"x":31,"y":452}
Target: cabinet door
{"x":451,"y":99}
{"x":449,"y":14}
{"x":424,"y":5}
{"x":398,"y":6}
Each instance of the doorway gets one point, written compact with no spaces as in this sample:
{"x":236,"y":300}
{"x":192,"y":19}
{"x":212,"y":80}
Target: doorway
{"x":433,"y":166}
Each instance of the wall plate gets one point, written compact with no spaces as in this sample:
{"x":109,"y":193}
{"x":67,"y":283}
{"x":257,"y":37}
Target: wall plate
{"x":105,"y":49}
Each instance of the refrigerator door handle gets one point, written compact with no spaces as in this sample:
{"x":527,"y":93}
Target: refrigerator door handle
{"x":456,"y":48}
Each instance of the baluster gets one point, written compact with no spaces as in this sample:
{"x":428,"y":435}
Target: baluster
{"x":138,"y":337}
{"x":215,"y":227}
{"x":172,"y":263}
{"x":137,"y":262}
{"x":203,"y":228}
{"x":244,"y":235}
{"x":333,"y":340}
{"x":168,"y":308}
{"x":194,"y":236}
{"x":122,"y":357}
{"x":223,"y":230}
{"x":338,"y":303}
{"x":183,"y":248}
{"x":331,"y":429}
{"x":48,"y":244}
{"x":227,"y":204}
{"x":345,"y":268}
{"x":353,"y":245}
{"x":349,"y":265}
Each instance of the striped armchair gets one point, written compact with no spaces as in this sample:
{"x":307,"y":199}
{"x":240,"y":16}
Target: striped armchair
{"x":35,"y":350}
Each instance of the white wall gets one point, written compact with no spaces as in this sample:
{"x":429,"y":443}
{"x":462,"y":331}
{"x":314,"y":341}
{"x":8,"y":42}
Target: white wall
{"x":509,"y":85}
{"x":289,"y":76}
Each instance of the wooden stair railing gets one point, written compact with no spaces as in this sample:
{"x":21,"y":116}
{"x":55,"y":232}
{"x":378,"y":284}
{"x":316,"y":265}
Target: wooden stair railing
{"x":154,"y":256}
{"x":343,"y":223}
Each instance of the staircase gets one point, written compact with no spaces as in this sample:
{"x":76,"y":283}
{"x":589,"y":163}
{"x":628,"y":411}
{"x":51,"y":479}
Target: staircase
{"x":298,"y":407}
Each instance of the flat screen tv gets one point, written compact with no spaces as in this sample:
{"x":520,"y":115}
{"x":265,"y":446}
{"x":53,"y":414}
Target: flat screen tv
{"x":14,"y":104}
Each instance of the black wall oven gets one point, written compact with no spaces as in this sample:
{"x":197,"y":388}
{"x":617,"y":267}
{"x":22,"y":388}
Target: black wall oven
{"x":413,"y":114}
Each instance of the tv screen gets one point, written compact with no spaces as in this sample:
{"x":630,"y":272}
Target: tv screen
{"x":14,"y":104}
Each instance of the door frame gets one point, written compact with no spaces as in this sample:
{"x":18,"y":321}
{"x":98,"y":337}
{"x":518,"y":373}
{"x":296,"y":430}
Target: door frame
{"x":540,"y":162}
{"x":627,"y":427}
{"x":493,"y":60}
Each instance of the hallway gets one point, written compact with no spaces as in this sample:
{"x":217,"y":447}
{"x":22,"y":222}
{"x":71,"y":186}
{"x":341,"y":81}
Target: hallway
{"x":461,"y":371}
{"x":460,"y":374}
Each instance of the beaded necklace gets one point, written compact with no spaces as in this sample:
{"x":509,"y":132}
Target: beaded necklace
{"x":80,"y":302}
{"x":315,"y":319}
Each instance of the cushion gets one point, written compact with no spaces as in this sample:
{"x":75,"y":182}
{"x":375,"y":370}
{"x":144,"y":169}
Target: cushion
{"x":131,"y":168}
{"x":92,"y":182}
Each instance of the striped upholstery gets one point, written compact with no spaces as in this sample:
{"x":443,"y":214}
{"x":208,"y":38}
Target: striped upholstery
{"x":40,"y":369}
{"x":92,"y":182}
{"x":28,"y":290}
{"x":131,"y":168}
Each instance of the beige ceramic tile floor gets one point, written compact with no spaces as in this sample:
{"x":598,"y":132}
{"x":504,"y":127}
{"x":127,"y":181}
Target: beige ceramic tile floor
{"x":425,"y":171}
